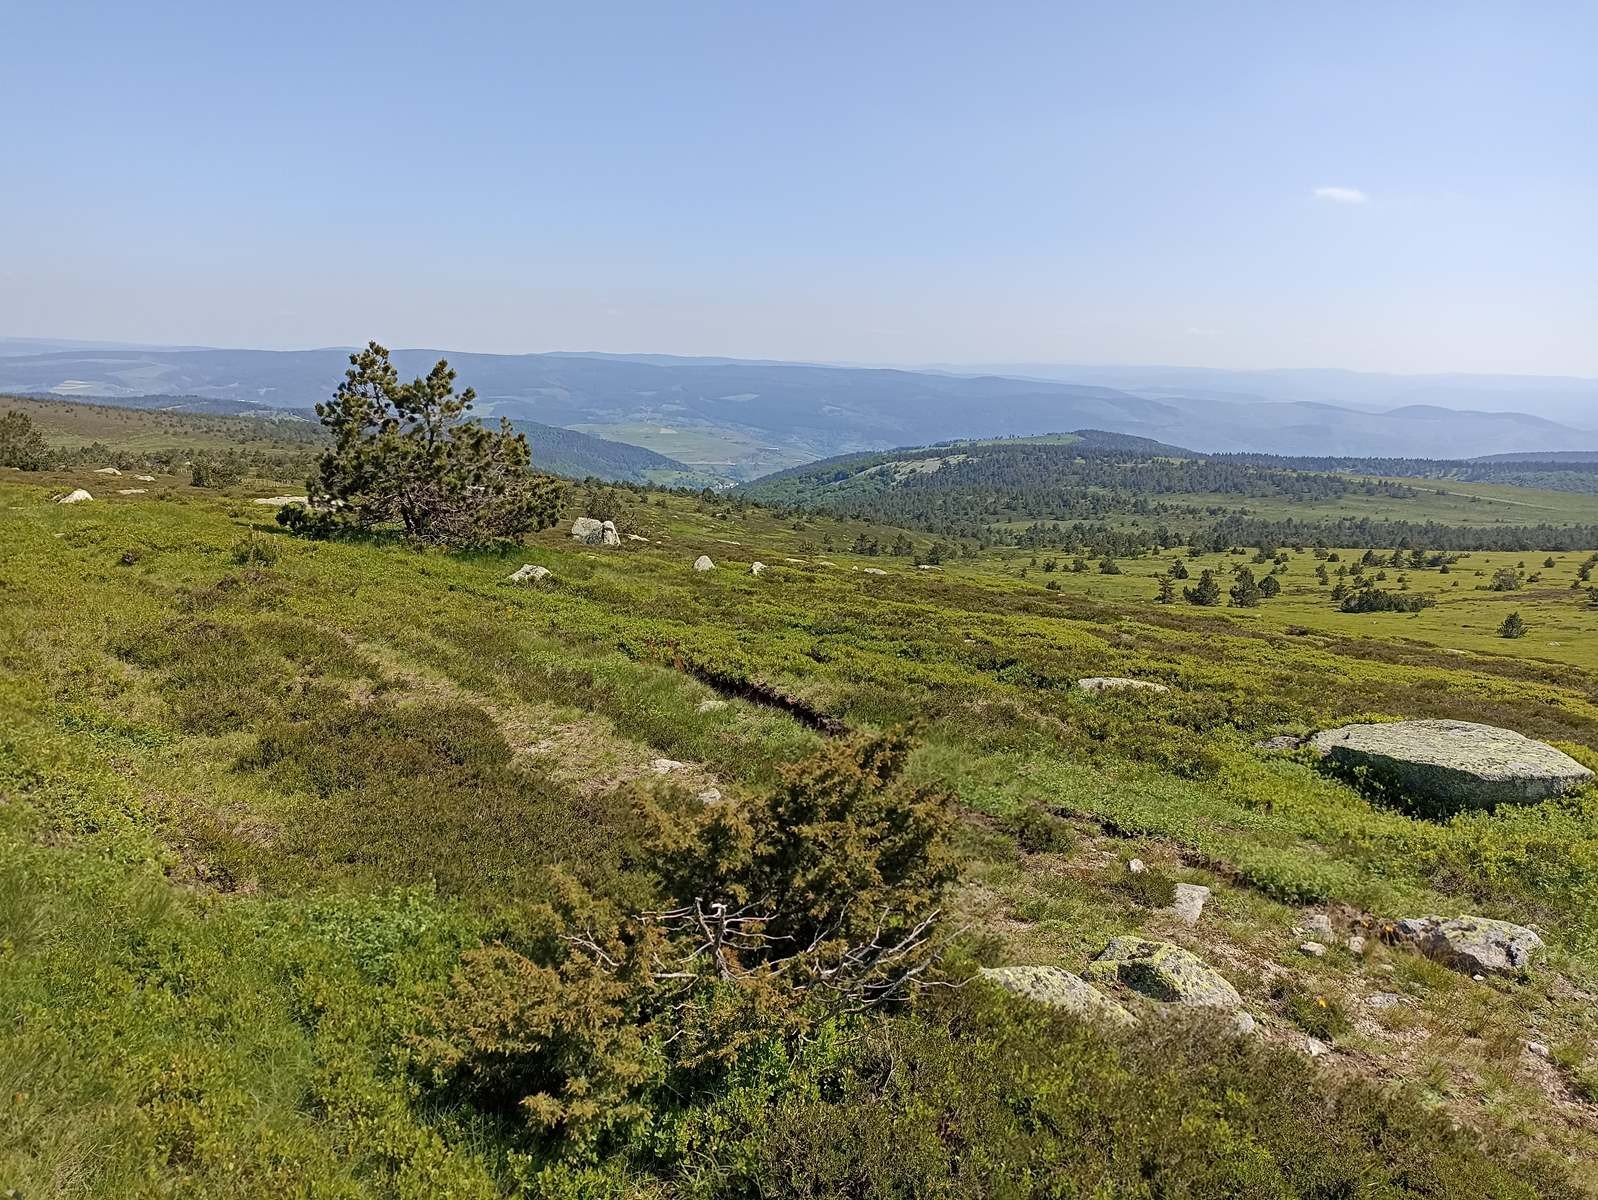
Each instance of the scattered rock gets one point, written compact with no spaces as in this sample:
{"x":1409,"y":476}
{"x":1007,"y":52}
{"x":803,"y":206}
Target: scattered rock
{"x":1189,"y":903}
{"x":608,"y":535}
{"x":1136,"y":866}
{"x":873,"y":571}
{"x":1475,"y":945}
{"x":928,"y":567}
{"x":633,"y":537}
{"x":1168,"y":972}
{"x":1455,"y":764}
{"x":1320,"y":925}
{"x":1313,"y":949}
{"x":529,"y":573}
{"x":1107,"y":683}
{"x":755,"y":568}
{"x":75,"y":496}
{"x":710,"y":796}
{"x":145,"y":478}
{"x":588,"y":531}
{"x":710,"y":705}
{"x":1284,"y":741}
{"x":793,"y":560}
{"x":279,"y":501}
{"x":107,"y":471}
{"x":1059,"y":989}
{"x":131,"y":491}
{"x":1540,"y":1049}
{"x":665,"y":766}
{"x":703,"y":563}
{"x":1316,"y":1048}
{"x":1384,"y":1000}
{"x":1356,"y":945}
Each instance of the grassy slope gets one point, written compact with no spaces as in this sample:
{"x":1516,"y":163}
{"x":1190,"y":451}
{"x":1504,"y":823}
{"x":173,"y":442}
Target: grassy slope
{"x":145,"y":844}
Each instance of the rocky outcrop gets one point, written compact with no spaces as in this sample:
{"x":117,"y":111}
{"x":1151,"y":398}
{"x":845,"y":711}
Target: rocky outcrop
{"x":1167,"y":972}
{"x":529,"y":573}
{"x":1110,"y":683}
{"x":1475,"y":945}
{"x":1453,"y":765}
{"x":279,"y":501}
{"x":756,"y":568}
{"x":703,"y":563}
{"x":1060,"y":989}
{"x":588,"y":531}
{"x":608,"y":535}
{"x":75,"y":496}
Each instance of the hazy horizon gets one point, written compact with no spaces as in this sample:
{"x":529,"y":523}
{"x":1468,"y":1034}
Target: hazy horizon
{"x":1367,"y":188}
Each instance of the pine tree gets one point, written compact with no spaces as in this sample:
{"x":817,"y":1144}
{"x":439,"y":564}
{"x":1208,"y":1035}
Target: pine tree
{"x":1208,"y":592}
{"x":1270,"y":586}
{"x":406,"y":454}
{"x":1167,"y":590}
{"x":21,"y":445}
{"x":1245,"y":591}
{"x":1513,"y":626}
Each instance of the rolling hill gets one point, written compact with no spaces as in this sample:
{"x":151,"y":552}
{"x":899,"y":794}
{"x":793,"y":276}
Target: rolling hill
{"x":746,"y":419}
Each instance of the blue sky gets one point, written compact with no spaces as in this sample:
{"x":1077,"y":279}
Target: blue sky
{"x":1377,"y":186}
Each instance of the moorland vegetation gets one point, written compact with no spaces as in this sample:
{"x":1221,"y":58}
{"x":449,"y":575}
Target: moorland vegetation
{"x":341,"y":865}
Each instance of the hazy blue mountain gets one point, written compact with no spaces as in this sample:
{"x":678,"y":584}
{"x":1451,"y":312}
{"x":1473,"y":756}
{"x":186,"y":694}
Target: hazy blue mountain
{"x":1567,"y":399}
{"x":743,"y":419}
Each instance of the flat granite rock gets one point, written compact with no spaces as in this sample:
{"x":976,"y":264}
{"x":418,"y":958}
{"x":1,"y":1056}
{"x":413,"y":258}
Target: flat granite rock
{"x":1167,"y":972}
{"x":1455,"y":764}
{"x":1059,"y":988}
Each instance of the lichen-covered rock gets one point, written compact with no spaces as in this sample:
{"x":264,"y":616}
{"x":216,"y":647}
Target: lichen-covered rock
{"x":608,"y":535}
{"x":756,"y":568}
{"x":588,"y":531}
{"x":1453,"y":765}
{"x":75,"y":496}
{"x":1165,"y":972}
{"x":529,"y":573}
{"x":1059,"y":989}
{"x":1110,"y":683}
{"x":703,"y":563}
{"x":1475,"y":945}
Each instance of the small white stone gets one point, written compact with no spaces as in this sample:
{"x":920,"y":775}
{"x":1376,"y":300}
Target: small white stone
{"x":665,"y":766}
{"x":710,"y":796}
{"x":1320,"y":926}
{"x":1540,"y":1049}
{"x":1313,"y":949}
{"x":710,"y":705}
{"x":1356,"y":945}
{"x":1136,"y":866}
{"x":703,"y":563}
{"x":75,"y":496}
{"x":1316,"y":1048}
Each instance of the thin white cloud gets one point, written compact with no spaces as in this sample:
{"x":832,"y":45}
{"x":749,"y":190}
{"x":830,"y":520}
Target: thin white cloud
{"x":1342,"y":195}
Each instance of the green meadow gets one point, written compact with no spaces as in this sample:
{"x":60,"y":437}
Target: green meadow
{"x":259,"y":794}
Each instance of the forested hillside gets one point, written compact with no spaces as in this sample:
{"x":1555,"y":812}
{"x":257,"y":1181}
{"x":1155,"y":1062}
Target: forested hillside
{"x":156,"y":434}
{"x":1108,"y":493}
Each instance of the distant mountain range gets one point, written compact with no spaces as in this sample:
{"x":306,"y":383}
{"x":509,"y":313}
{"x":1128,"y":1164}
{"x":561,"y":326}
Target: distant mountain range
{"x":740,"y":419}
